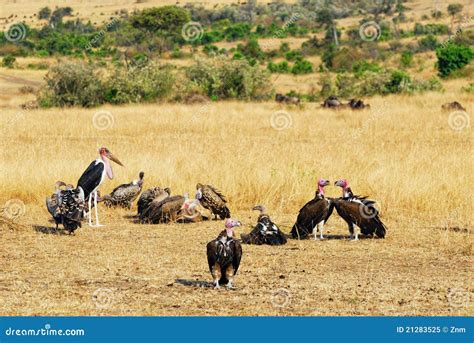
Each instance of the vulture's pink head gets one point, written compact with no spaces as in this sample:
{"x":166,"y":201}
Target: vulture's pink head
{"x":229,"y":226}
{"x":323,"y":182}
{"x":343,"y":183}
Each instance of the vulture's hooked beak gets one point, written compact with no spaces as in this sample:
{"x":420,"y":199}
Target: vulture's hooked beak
{"x":113,"y":158}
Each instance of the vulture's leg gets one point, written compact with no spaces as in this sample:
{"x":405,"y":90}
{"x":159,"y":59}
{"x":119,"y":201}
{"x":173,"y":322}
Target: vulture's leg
{"x":229,"y":272}
{"x":321,"y":228}
{"x":216,"y":274}
{"x":90,"y":209}
{"x":351,"y":230}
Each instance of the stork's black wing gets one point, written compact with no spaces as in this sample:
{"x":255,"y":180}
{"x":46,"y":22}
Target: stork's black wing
{"x":91,"y":178}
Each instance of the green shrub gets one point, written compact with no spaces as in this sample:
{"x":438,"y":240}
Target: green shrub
{"x":360,"y":67}
{"x":427,"y":43}
{"x":452,"y":57}
{"x":144,"y":84}
{"x":221,"y":78}
{"x":281,"y":67}
{"x":72,"y":84}
{"x":293,"y":55}
{"x":8,"y":61}
{"x":399,"y":82}
{"x":302,"y":67}
{"x":406,"y":59}
{"x":469,"y":88}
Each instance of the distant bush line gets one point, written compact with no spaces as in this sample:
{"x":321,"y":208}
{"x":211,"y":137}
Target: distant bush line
{"x":219,"y":78}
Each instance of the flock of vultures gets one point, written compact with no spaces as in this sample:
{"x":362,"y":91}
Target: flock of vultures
{"x":70,"y":205}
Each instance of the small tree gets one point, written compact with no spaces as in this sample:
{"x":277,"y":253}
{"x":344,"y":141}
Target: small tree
{"x":44,"y":13}
{"x":8,"y":61}
{"x":166,"y":18}
{"x":453,"y":10}
{"x":453,"y":57}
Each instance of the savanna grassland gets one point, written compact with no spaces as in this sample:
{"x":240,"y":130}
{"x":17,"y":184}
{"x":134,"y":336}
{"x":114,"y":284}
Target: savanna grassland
{"x":402,"y":152}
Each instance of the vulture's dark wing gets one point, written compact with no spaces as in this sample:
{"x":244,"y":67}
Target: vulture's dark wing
{"x":91,"y":178}
{"x":311,"y":214}
{"x":211,"y":254}
{"x":218,"y":192}
{"x":237,"y":255}
{"x":363,"y":214}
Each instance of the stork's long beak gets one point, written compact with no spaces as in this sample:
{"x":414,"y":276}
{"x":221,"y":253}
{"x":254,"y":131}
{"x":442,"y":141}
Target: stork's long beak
{"x":115,"y":159}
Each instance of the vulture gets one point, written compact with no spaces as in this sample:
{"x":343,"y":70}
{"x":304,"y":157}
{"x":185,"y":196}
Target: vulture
{"x":359,"y":211}
{"x":224,"y":254}
{"x":331,"y":102}
{"x":314,"y":214}
{"x":453,"y":106}
{"x":125,"y":194}
{"x":265,"y":232}
{"x":67,"y":206}
{"x":292,"y":100}
{"x":171,"y":208}
{"x":213,"y":199}
{"x":52,"y":203}
{"x":148,"y":196}
{"x":357,"y":104}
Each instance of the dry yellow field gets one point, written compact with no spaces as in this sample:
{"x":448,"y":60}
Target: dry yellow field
{"x":404,"y":152}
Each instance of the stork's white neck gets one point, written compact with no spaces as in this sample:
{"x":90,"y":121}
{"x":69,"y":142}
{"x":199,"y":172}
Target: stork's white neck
{"x":108,"y":167}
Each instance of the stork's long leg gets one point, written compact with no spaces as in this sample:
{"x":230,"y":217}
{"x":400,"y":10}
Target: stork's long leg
{"x":90,"y":210}
{"x":96,"y":210}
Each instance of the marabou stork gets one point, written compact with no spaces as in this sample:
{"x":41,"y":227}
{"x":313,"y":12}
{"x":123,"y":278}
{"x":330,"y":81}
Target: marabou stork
{"x":93,"y":177}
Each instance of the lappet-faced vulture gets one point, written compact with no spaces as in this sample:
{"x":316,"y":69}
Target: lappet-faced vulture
{"x":224,"y":254}
{"x":265,"y":232}
{"x":314,"y":214}
{"x":359,"y":211}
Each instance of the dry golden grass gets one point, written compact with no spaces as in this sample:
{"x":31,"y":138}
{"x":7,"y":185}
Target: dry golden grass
{"x":402,"y":152}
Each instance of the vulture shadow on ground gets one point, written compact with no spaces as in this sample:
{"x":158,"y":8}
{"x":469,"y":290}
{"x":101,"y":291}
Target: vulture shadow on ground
{"x":334,"y":237}
{"x":48,"y":230}
{"x":196,"y":283}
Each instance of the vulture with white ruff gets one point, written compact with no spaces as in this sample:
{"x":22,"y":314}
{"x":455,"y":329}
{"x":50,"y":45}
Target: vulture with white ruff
{"x":314,"y":214}
{"x":265,"y":232}
{"x":125,"y":194}
{"x":359,"y":211}
{"x":224,"y":254}
{"x":213,"y":200}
